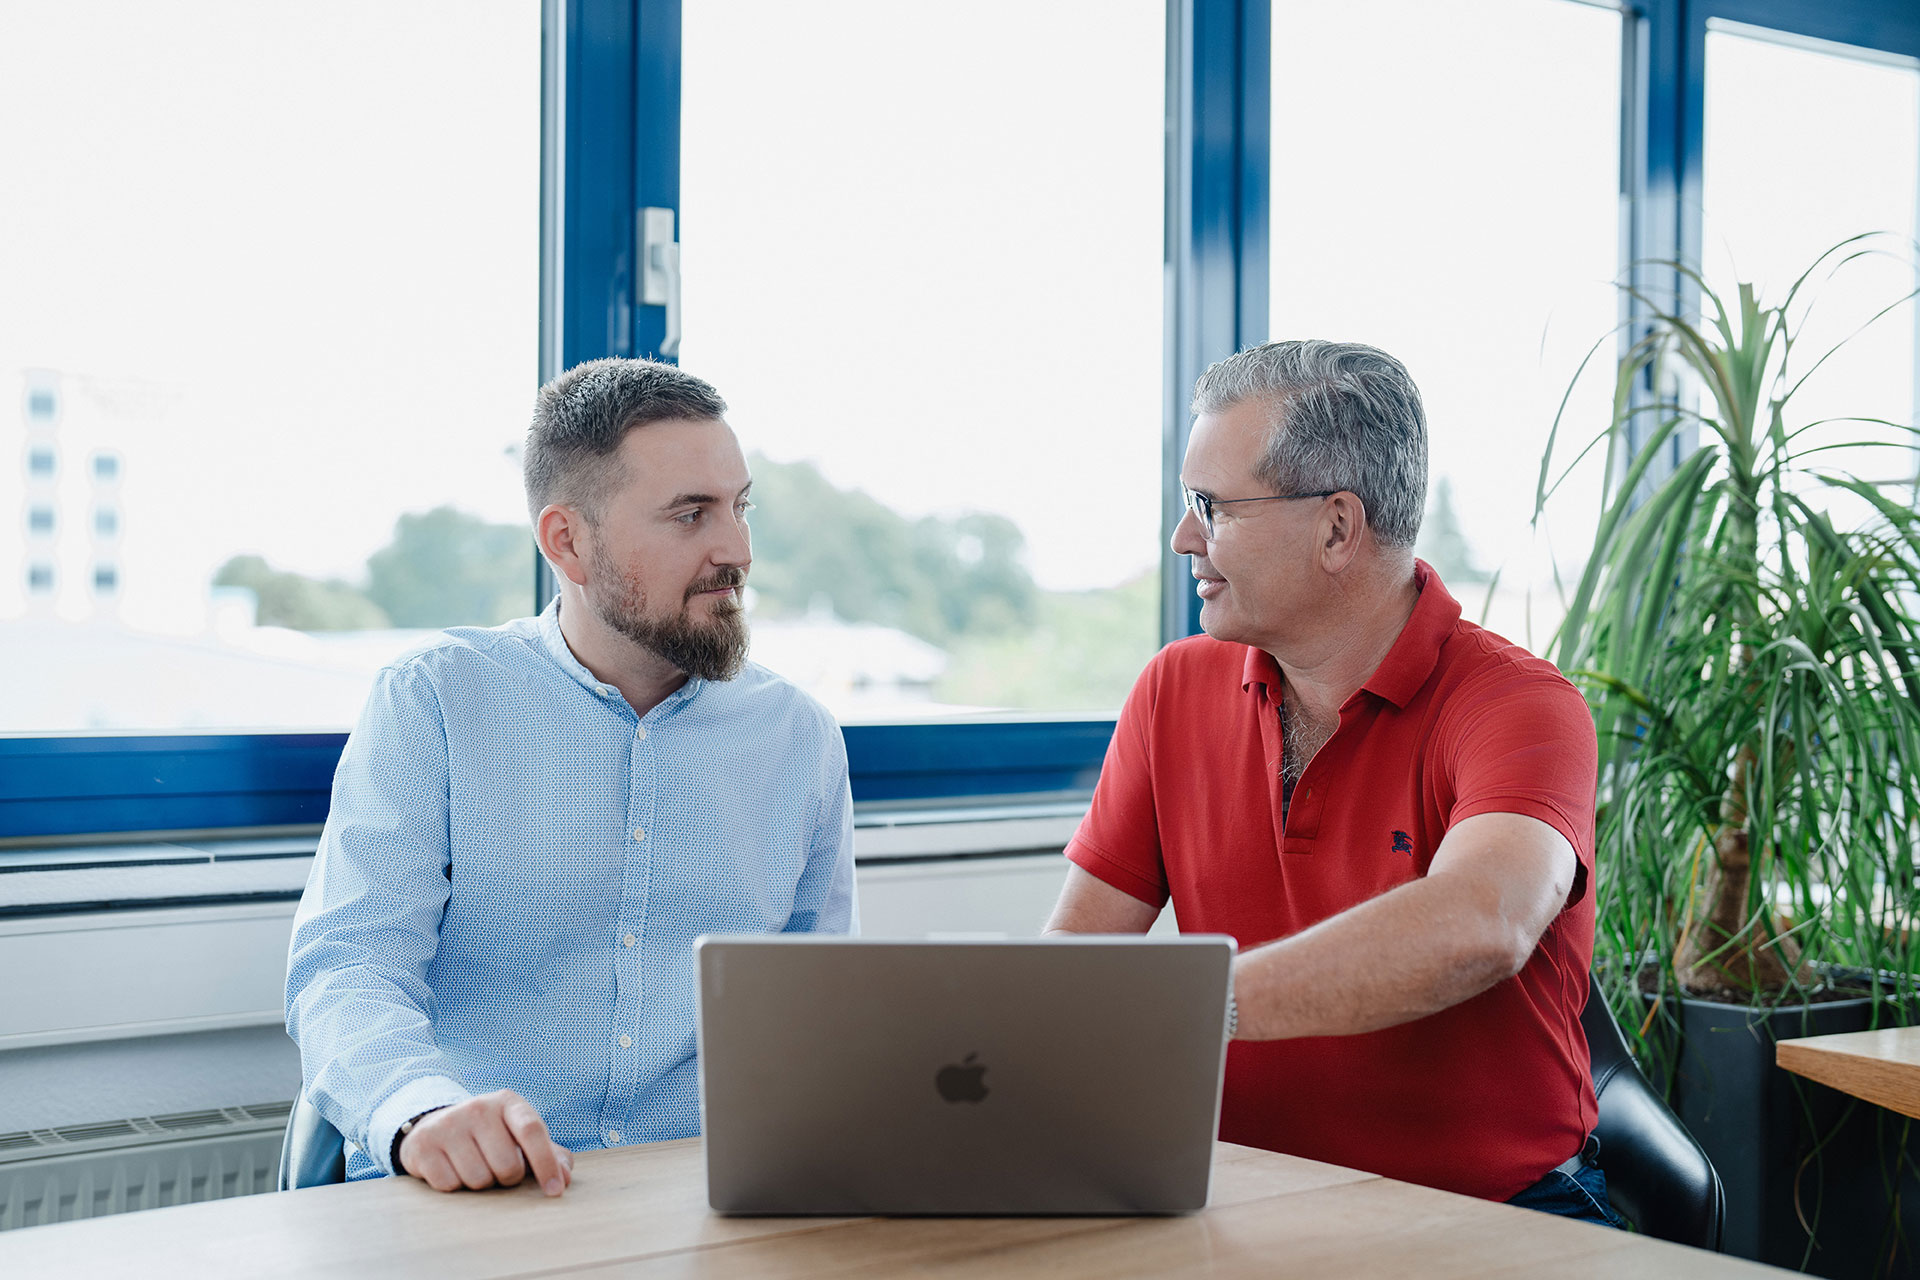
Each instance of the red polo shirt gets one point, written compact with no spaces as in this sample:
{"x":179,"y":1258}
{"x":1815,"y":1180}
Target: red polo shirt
{"x":1483,"y":1098}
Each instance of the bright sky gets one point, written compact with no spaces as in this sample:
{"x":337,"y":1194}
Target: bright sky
{"x":1453,"y":197}
{"x":287,"y":256}
{"x":922,"y":247}
{"x":1811,"y":148}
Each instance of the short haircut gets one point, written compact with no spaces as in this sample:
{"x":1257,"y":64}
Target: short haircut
{"x":580,"y":418}
{"x":1345,"y":416}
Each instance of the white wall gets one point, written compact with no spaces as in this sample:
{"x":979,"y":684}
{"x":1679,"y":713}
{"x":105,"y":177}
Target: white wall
{"x":113,"y":1015}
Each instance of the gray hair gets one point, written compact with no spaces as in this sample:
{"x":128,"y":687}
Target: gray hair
{"x":580,"y":418}
{"x":1345,"y":416}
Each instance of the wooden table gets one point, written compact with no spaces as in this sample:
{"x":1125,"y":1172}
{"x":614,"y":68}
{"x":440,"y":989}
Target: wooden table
{"x":642,"y":1211}
{"x":1881,"y":1066}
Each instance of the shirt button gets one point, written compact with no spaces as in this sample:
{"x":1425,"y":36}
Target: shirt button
{"x":627,"y":941}
{"x":638,"y":834}
{"x":626,"y":1042}
{"x":608,"y":690}
{"x":613,"y":1137}
{"x":641,"y":733}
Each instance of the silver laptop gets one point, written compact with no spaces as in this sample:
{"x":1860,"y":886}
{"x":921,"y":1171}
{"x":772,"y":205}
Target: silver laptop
{"x":1059,"y":1076}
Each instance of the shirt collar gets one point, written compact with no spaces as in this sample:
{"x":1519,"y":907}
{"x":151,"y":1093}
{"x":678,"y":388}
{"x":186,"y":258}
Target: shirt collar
{"x":1417,"y":652}
{"x":556,"y":646}
{"x":1407,"y":665}
{"x":1261,"y":669}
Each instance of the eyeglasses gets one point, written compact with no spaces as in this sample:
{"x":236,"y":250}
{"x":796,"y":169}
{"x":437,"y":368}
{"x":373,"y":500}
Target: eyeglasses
{"x":1202,"y":504}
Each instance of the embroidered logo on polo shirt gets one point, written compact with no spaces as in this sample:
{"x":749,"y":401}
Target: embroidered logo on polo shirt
{"x":1403,"y":843}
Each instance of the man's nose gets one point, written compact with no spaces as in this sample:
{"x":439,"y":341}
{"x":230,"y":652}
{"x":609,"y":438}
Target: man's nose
{"x":737,"y":547}
{"x":1189,"y":539}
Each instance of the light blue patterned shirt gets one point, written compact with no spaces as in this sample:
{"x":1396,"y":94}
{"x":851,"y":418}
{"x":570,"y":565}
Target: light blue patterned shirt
{"x":514,"y":870}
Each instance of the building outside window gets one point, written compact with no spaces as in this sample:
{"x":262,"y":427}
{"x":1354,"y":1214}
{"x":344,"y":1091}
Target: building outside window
{"x":297,"y":485}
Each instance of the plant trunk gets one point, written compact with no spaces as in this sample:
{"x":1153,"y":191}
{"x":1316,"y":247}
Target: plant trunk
{"x":1732,"y":950}
{"x":1759,"y":959}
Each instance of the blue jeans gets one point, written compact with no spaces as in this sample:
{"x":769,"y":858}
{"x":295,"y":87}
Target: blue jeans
{"x":1581,"y":1194}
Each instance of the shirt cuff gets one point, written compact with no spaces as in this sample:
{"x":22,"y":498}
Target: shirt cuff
{"x":406,"y":1102}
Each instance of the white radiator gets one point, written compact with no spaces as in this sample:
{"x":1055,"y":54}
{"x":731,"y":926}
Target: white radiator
{"x":90,"y":1170}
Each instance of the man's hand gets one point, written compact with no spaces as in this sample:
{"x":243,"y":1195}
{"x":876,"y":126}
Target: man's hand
{"x":495,"y":1139}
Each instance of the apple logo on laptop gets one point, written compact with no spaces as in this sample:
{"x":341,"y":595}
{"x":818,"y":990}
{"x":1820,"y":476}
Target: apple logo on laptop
{"x":962,"y":1081}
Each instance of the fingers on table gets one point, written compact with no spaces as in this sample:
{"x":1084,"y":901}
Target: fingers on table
{"x":469,"y":1161}
{"x":501,"y":1153}
{"x":431,"y":1166}
{"x":495,"y":1140}
{"x":551,"y":1166}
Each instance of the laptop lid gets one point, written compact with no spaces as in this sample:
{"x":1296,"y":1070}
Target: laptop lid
{"x":1056,"y":1076}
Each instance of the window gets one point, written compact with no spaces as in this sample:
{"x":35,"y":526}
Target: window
{"x":913,"y":194}
{"x":304,"y":367}
{"x":1475,"y":242}
{"x":40,"y":520}
{"x":936,"y":311}
{"x":1808,"y":144}
{"x":106,"y":522}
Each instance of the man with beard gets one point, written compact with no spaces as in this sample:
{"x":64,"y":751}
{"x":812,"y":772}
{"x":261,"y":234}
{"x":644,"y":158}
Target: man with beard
{"x":492,"y":964}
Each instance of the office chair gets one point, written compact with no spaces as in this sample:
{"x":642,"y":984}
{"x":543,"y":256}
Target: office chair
{"x":1657,"y":1175}
{"x":313,"y":1153}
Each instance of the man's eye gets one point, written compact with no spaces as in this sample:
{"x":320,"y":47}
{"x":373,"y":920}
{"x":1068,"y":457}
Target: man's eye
{"x":741,"y":508}
{"x":688,"y":517}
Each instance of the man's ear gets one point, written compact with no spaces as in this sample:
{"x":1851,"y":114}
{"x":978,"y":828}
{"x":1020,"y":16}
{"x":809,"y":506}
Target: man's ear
{"x":566,"y":540}
{"x":1341,"y":526}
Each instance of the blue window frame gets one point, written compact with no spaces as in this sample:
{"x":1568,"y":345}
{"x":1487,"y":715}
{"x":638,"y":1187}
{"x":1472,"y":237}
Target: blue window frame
{"x":611,"y":108}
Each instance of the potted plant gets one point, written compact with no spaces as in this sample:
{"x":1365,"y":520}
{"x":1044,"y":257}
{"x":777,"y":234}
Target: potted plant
{"x":1747,"y":631}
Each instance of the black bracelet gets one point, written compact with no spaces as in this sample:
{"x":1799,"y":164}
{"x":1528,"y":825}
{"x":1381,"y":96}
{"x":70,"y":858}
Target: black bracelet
{"x":399,"y":1135}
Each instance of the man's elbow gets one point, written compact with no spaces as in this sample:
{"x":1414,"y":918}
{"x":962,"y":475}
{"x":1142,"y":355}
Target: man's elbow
{"x":1490,"y":957}
{"x":1520,"y":944}
{"x":1503,"y":943}
{"x":1511,"y":942}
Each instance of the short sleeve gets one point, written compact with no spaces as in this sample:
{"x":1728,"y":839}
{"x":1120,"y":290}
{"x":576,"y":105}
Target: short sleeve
{"x":1525,"y":744}
{"x":1119,"y":839}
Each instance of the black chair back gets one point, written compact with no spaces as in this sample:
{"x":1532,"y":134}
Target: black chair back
{"x":1657,"y":1175}
{"x":312,"y":1154}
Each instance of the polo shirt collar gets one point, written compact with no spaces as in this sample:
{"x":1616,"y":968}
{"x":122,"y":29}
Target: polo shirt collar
{"x":1415,"y":654}
{"x":1407,"y":665}
{"x":1260,"y":668}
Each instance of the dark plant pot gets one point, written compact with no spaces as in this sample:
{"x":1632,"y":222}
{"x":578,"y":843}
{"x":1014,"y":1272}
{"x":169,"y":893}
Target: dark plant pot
{"x":1766,"y":1129}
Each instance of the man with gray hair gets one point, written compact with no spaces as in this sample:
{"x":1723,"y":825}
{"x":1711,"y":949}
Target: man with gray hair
{"x":1390,"y":808}
{"x":493,"y":961}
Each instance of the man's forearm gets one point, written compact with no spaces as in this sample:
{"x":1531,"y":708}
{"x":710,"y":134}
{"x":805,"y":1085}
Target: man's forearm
{"x":1414,"y":951}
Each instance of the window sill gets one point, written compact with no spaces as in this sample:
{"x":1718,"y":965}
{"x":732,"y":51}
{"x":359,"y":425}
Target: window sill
{"x":72,"y":878}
